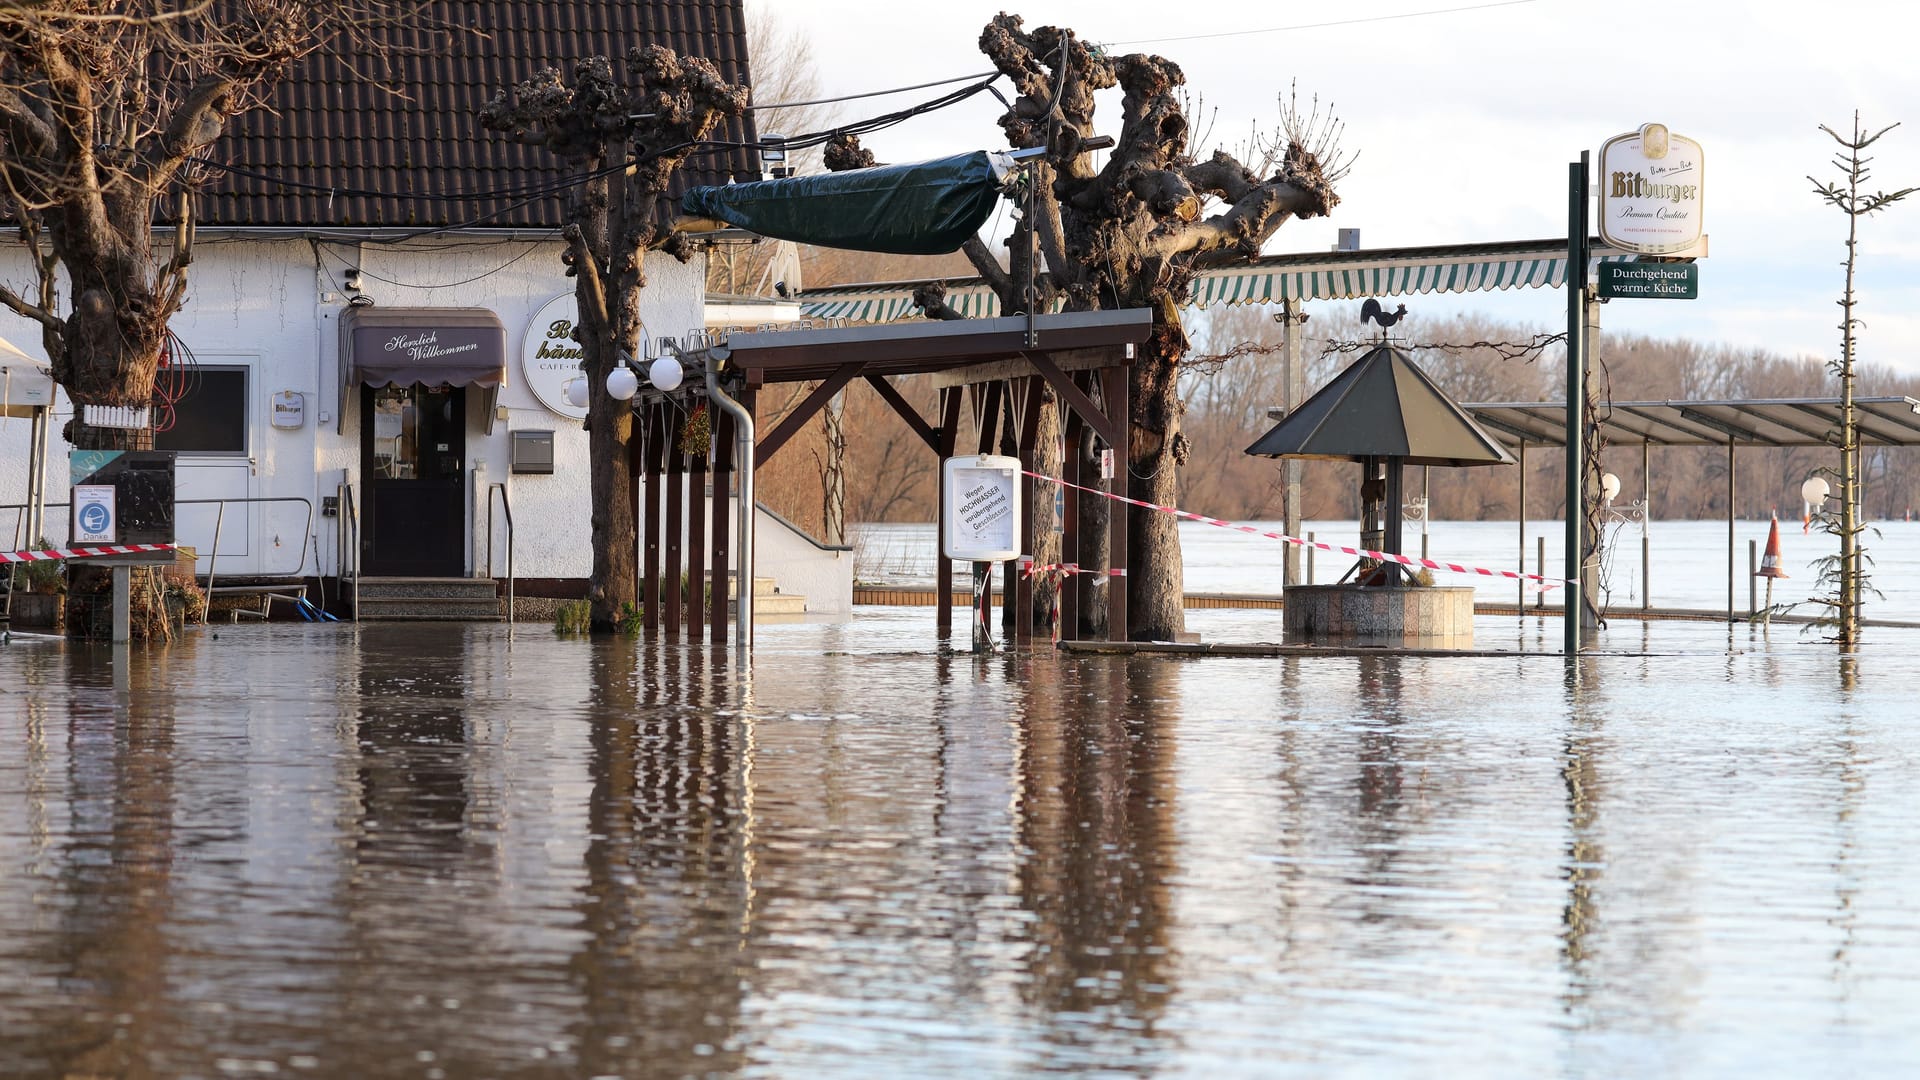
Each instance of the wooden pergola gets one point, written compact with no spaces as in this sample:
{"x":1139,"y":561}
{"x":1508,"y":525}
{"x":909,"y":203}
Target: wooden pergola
{"x":996,"y":365}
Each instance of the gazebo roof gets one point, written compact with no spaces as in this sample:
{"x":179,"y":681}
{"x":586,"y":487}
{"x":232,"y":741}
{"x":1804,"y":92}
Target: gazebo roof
{"x":1382,"y":406}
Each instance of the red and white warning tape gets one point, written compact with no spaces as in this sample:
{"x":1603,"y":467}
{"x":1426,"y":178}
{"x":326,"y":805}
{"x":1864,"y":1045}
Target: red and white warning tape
{"x":1362,"y":553}
{"x":79,"y":552}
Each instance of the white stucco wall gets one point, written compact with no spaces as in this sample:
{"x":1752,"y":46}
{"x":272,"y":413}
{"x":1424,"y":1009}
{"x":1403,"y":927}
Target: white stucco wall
{"x":274,"y":307}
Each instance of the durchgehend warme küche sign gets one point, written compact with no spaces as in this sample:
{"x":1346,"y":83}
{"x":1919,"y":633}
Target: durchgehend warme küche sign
{"x":1650,"y":184}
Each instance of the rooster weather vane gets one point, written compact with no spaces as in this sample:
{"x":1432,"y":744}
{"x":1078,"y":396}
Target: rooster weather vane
{"x":1372,"y":311}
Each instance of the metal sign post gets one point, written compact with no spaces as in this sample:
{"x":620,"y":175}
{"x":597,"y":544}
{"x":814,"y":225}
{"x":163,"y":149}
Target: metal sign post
{"x":1576,"y":394}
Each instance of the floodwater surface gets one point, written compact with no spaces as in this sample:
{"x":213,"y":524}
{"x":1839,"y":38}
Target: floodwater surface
{"x":460,"y":851}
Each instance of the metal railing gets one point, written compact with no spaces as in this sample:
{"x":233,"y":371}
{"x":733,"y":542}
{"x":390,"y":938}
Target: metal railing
{"x":506,"y":507}
{"x":349,"y":542}
{"x":219,"y":521}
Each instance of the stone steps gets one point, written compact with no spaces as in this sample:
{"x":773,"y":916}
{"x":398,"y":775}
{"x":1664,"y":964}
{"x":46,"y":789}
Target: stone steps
{"x":427,"y":599}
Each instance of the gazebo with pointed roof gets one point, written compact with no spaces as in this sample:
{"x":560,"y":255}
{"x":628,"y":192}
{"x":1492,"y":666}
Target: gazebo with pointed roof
{"x":1384,"y":412}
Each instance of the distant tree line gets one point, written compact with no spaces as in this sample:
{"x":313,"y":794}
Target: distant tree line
{"x":892,"y":474}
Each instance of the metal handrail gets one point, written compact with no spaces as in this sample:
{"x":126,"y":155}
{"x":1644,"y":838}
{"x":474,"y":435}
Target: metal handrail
{"x":220,"y":517}
{"x":350,"y":541}
{"x":506,"y":507}
{"x":219,"y":520}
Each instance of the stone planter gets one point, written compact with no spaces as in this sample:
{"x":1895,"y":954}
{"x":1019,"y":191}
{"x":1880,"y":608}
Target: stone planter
{"x":40,"y":611}
{"x":1387,"y":616}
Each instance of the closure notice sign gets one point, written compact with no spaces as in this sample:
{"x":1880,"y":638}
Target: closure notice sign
{"x":1649,"y":281}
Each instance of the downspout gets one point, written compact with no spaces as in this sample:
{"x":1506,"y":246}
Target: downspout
{"x":743,"y":456}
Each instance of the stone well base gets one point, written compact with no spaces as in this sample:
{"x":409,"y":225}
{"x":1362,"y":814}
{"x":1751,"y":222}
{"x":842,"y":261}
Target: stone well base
{"x":1435,"y":618}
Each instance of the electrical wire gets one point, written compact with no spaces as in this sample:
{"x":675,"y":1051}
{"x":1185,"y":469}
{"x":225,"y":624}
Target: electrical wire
{"x":868,"y":94}
{"x":537,"y":190}
{"x":532,"y":246}
{"x":1324,"y":25}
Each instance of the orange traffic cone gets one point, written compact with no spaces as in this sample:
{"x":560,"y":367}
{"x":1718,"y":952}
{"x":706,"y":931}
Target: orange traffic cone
{"x":1770,"y":562}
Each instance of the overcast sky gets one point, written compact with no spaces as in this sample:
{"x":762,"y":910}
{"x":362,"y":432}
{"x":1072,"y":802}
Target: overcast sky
{"x":1465,"y":122}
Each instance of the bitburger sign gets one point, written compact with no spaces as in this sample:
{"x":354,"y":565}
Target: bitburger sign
{"x":1650,"y":192}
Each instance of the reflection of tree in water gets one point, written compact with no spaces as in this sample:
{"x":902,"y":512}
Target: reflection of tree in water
{"x":116,"y":888}
{"x":664,"y":908}
{"x":1097,"y":824}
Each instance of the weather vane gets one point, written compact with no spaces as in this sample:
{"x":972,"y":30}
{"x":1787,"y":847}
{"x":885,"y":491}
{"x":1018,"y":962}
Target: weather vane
{"x":1371,"y":310}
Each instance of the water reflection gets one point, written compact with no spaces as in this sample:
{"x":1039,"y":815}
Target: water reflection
{"x":446,"y":851}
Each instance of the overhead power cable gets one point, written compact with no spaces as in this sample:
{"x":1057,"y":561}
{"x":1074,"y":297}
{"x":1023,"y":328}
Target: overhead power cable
{"x":1324,"y":25}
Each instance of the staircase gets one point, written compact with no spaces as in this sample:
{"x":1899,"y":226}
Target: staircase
{"x":768,"y":599}
{"x":424,"y":599}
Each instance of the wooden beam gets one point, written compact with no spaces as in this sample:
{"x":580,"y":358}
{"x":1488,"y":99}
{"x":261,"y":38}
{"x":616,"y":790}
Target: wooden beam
{"x":650,"y":547}
{"x":1072,"y":396}
{"x":943,"y":567}
{"x":1116,"y":385}
{"x":676,"y":484}
{"x":697,"y":541}
{"x":722,"y":476}
{"x":791,"y":424}
{"x":1022,"y":594}
{"x":905,"y":410}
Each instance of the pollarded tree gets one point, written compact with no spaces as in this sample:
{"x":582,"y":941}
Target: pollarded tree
{"x":628,"y":139}
{"x":105,"y":105}
{"x":1135,"y":233}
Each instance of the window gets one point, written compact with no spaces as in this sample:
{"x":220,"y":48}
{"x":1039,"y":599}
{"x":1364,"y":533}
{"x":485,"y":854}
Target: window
{"x":209,"y":416}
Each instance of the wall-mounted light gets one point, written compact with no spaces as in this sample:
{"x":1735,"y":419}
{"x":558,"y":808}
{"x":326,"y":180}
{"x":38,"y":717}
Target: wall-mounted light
{"x":352,"y":280}
{"x":622,"y":382}
{"x":773,"y":155}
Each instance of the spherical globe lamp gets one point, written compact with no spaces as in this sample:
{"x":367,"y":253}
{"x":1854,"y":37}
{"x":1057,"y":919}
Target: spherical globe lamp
{"x":666,"y":373}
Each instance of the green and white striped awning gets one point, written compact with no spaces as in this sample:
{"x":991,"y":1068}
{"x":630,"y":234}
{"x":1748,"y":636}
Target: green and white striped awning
{"x":1343,"y":275}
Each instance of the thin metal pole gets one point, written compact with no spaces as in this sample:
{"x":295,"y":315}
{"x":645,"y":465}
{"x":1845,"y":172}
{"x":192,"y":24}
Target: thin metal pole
{"x":1753,"y":578}
{"x":1646,"y":517}
{"x":1540,"y":568}
{"x":1520,"y":596}
{"x":1426,"y":507}
{"x":743,"y":435}
{"x":1731,"y":493}
{"x":1310,"y":551}
{"x":213,"y":560}
{"x":1576,"y":397}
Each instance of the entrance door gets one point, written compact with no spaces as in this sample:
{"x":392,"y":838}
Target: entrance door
{"x":413,"y":448}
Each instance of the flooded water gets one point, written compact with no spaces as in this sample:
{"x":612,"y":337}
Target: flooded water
{"x":427,"y":850}
{"x":1686,"y":561}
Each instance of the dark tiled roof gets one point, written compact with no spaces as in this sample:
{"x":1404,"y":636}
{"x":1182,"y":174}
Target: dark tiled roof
{"x":339,"y":132}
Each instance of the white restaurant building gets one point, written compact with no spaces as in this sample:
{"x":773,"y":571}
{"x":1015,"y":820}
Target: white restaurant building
{"x":355,"y":333}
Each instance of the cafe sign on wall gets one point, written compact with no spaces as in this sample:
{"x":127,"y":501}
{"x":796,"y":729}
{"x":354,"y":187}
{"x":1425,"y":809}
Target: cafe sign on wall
{"x":1650,"y":192}
{"x":550,"y":358}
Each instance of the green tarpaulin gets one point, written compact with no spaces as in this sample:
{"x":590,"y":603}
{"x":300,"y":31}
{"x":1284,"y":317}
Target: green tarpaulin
{"x":926,"y":208}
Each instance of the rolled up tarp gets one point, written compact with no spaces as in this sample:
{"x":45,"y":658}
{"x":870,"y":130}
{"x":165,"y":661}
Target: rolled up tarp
{"x":924,"y":208}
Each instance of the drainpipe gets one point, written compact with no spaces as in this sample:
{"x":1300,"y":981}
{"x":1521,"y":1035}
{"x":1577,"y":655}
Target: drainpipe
{"x":743,"y":456}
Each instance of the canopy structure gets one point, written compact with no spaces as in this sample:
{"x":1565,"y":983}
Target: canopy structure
{"x":1382,"y":405}
{"x":430,"y":346}
{"x":1386,"y":413}
{"x":1879,"y":421}
{"x":1882,"y":421}
{"x":27,"y":391}
{"x":26,"y":382}
{"x":1338,"y":275}
{"x":924,"y":208}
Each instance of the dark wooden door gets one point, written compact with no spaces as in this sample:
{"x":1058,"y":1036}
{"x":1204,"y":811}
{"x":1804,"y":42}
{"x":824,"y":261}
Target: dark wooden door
{"x":413,"y":449}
